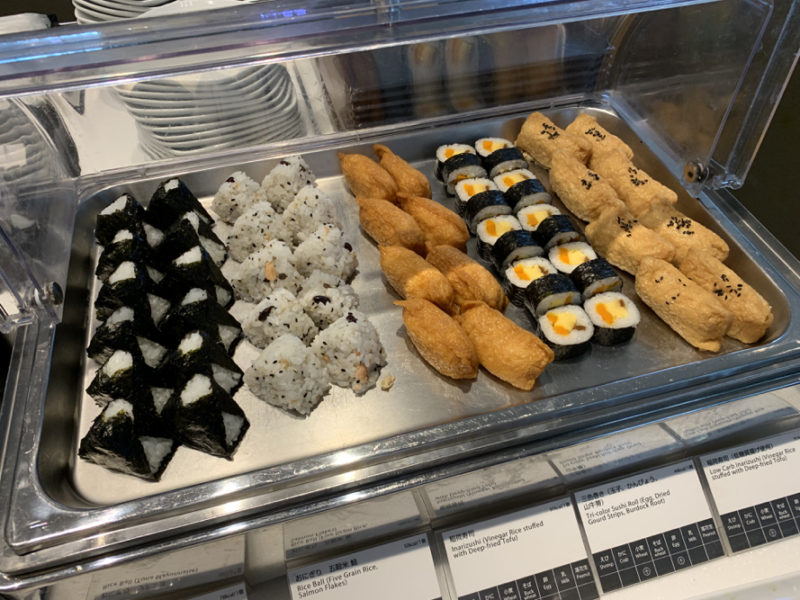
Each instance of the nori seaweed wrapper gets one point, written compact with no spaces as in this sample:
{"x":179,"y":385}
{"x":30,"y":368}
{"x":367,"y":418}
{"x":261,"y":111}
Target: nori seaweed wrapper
{"x":201,"y":424}
{"x":181,"y":276}
{"x":527,"y":192}
{"x":209,"y":358}
{"x":129,"y":383}
{"x":186,"y":233}
{"x":115,"y":441}
{"x":484,"y":205}
{"x":515,"y":245}
{"x":171,"y":200}
{"x":542,"y":288}
{"x":130,"y":217}
{"x":595,"y":270}
{"x":504,"y":159}
{"x":135,"y":249}
{"x":206,"y":315}
{"x":557,"y":229}
{"x":125,"y":292}
{"x":115,"y":334}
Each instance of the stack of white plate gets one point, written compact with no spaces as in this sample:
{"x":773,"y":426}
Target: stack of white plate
{"x":24,"y":155}
{"x":98,"y":11}
{"x":214,"y":110}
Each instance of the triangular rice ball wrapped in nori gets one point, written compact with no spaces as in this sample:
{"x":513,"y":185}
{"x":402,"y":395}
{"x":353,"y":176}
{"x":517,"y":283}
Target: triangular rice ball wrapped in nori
{"x":208,"y":418}
{"x":122,"y":438}
{"x":128,"y":329}
{"x":198,"y":310}
{"x":194,"y":268}
{"x":189,"y":231}
{"x":170,"y":201}
{"x":130,"y":284}
{"x":200,"y":352}
{"x":124,"y":213}
{"x":126,"y":245}
{"x":123,"y":375}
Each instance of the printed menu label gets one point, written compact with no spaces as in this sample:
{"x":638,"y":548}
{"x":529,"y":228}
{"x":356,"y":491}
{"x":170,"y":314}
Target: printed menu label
{"x":648,"y":525}
{"x":531,"y":554}
{"x":756,"y":490}
{"x":233,"y":592}
{"x":399,"y":570}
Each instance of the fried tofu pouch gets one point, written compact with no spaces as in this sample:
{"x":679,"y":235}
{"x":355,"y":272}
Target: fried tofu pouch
{"x":471,"y":281}
{"x":409,"y":180}
{"x":691,"y":311}
{"x":601,"y":139}
{"x":540,"y":138}
{"x":439,"y":339}
{"x":686,"y":234}
{"x":411,"y":276}
{"x":624,"y":242}
{"x":752,"y":314}
{"x":582,"y":191}
{"x":506,"y":350}
{"x":439,"y":224}
{"x":367,"y":178}
{"x":638,"y":190}
{"x":389,"y":224}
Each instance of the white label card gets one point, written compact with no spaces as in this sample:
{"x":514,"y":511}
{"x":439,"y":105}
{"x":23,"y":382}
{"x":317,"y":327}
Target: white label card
{"x":233,"y":592}
{"x":757,"y":490}
{"x":399,"y":570}
{"x":538,"y":550}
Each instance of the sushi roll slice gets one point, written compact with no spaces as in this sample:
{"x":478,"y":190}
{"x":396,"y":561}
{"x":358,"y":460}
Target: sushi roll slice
{"x":519,"y":275}
{"x":121,"y":439}
{"x":499,"y":155}
{"x":199,"y":352}
{"x":549,"y":291}
{"x":126,"y":245}
{"x":208,"y":418}
{"x":485,"y":205}
{"x":556,"y":230}
{"x":530,"y":217}
{"x":123,"y":375}
{"x":595,"y":277}
{"x":567,"y":256}
{"x":185,"y":233}
{"x":614,"y":317}
{"x":515,"y":245}
{"x":461,"y":166}
{"x":490,"y":230}
{"x":171,"y":200}
{"x":127,"y":330}
{"x":195,"y":268}
{"x":567,"y":330}
{"x":198,"y":310}
{"x":467,"y":188}
{"x":124,"y":213}
{"x":130,"y":284}
{"x":447,"y":151}
{"x":522,"y":189}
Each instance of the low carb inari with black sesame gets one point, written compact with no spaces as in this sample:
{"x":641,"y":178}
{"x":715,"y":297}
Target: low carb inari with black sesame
{"x":540,"y":138}
{"x":686,"y":234}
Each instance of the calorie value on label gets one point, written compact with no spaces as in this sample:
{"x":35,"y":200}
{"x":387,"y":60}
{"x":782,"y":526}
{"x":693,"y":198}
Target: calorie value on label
{"x":756,"y":489}
{"x":648,"y":525}
{"x":532,"y":554}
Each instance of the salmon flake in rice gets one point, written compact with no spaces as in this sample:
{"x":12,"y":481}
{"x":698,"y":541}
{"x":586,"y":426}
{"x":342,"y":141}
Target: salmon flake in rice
{"x":285,"y":179}
{"x":310,"y":208}
{"x":265,"y":270}
{"x":327,"y":250}
{"x":253,"y":229}
{"x":236,"y":194}
{"x":278,"y":314}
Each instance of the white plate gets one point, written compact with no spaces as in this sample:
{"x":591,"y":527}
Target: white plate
{"x":85,"y":17}
{"x":184,"y":6}
{"x":197,"y":143}
{"x":237,"y":78}
{"x":106,"y":7}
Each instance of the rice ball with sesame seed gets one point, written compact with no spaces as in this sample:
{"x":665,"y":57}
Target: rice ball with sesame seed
{"x":284,"y":181}
{"x":236,"y":194}
{"x":310,"y":208}
{"x":254,"y":228}
{"x":325,"y":303}
{"x":278,"y":314}
{"x":264,"y":271}
{"x":326,"y":250}
{"x":351,"y":351}
{"x":287,"y":374}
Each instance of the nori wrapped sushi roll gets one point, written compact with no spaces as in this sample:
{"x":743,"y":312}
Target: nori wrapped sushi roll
{"x":556,"y":230}
{"x":122,"y":439}
{"x":126,"y":245}
{"x":123,"y":375}
{"x":124,"y":213}
{"x":467,"y":188}
{"x":522,"y":189}
{"x":595,"y":277}
{"x":171,"y":200}
{"x":128,"y":329}
{"x":195,"y":268}
{"x":490,"y":230}
{"x":186,"y":233}
{"x":531,"y":216}
{"x":514,"y":245}
{"x":521,"y":273}
{"x":198,"y":310}
{"x":130,"y":285}
{"x":208,"y":418}
{"x":570,"y":255}
{"x":567,"y":330}
{"x":499,"y":155}
{"x":485,"y":205}
{"x":461,"y":166}
{"x":447,"y":151}
{"x":550,"y":291}
{"x":200,"y":352}
{"x":614,"y":317}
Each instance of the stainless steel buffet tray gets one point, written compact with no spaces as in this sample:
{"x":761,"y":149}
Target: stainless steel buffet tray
{"x":422,"y":421}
